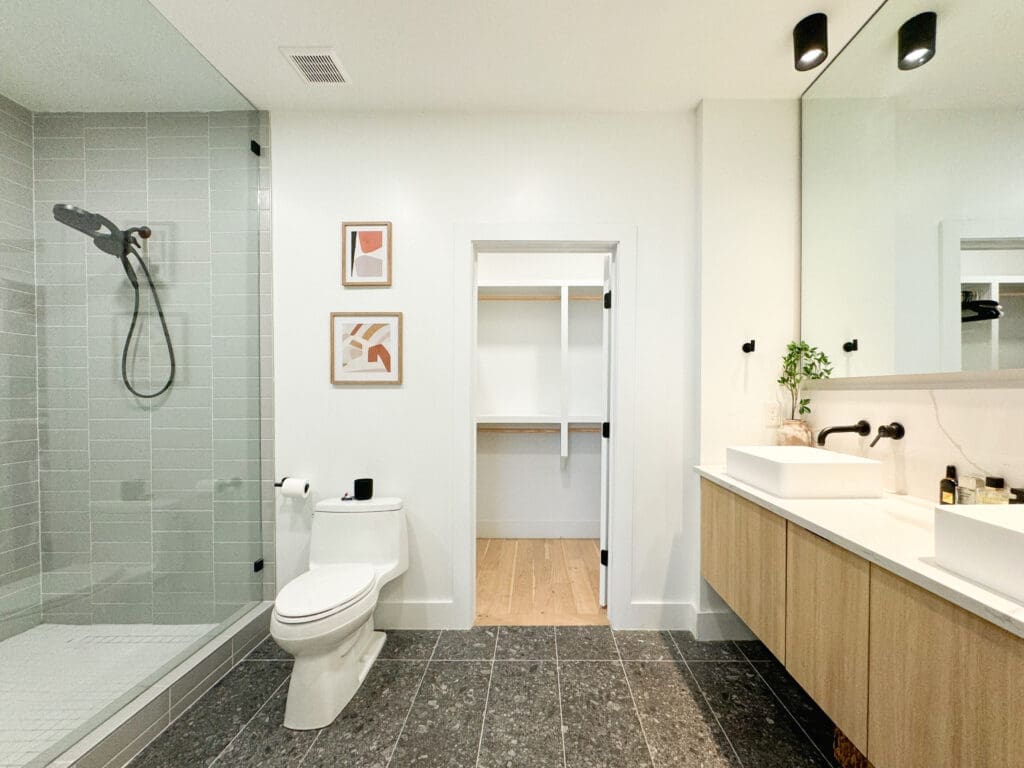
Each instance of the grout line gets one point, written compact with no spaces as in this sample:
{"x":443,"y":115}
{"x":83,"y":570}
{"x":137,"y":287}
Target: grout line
{"x":487,"y":698}
{"x":412,"y":702}
{"x":247,"y":722}
{"x":561,"y":717}
{"x":707,"y":701}
{"x":786,"y":709}
{"x":636,"y":709}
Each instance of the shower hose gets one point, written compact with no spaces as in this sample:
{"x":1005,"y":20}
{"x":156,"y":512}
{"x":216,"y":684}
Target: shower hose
{"x":131,"y":333}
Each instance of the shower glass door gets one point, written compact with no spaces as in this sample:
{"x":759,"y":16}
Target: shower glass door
{"x":130,"y":526}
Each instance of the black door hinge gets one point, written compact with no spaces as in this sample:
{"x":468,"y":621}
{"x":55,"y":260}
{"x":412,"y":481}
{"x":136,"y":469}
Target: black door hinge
{"x":255,"y":148}
{"x":604,"y":557}
{"x":257,"y":565}
{"x":608,"y":300}
{"x":606,"y":429}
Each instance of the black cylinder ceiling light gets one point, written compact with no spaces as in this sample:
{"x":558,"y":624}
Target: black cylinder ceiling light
{"x":917,"y":40}
{"x":810,"y":42}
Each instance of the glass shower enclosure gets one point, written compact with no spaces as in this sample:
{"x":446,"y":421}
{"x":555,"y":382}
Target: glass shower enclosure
{"x":130,"y":524}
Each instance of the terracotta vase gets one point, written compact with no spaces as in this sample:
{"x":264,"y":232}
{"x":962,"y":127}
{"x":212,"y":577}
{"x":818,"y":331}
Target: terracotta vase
{"x":795,"y":432}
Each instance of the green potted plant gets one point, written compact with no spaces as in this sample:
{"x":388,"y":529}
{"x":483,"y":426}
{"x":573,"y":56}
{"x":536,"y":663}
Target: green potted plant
{"x":800,"y":364}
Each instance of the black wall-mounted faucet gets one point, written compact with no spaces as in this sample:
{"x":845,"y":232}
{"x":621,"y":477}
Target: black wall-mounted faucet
{"x":862,"y":428}
{"x":894,"y":431}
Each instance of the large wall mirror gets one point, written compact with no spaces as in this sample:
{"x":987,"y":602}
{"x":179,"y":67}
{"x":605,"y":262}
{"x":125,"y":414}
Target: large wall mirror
{"x":913,"y":196}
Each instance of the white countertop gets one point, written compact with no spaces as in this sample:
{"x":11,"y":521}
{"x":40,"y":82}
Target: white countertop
{"x":894,"y":532}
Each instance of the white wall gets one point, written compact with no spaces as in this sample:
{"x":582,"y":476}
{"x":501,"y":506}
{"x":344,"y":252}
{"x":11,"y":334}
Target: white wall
{"x":749,"y":275}
{"x":427,"y":173}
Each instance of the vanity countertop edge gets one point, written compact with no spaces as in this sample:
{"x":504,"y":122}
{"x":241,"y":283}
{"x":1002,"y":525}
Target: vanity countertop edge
{"x":894,"y":532}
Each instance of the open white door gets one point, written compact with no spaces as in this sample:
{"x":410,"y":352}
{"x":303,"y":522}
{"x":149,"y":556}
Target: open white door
{"x":606,"y":341}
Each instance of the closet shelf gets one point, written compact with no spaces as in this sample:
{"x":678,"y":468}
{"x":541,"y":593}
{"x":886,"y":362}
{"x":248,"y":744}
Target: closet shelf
{"x":526,"y":419}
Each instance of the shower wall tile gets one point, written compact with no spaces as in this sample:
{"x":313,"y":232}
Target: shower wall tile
{"x":20,"y":562}
{"x":152,"y":508}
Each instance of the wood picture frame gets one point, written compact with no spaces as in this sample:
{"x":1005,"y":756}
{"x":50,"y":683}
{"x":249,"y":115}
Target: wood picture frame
{"x":367,"y":350}
{"x":366,"y":254}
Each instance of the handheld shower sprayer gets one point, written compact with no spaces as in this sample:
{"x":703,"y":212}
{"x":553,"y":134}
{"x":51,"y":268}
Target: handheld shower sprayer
{"x":121,"y":244}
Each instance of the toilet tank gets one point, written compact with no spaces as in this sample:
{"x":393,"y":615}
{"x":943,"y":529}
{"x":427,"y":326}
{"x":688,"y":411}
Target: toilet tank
{"x":371,"y":531}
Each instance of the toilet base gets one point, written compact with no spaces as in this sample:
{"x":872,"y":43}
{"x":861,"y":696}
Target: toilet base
{"x":323,"y":684}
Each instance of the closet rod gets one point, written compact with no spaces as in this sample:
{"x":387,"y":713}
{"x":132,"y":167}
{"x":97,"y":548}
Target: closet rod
{"x":537,"y":430}
{"x":539,"y":298}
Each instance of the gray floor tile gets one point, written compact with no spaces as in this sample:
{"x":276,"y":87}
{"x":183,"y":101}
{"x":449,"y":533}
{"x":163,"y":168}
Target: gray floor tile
{"x":594,"y":643}
{"x":443,"y":730}
{"x":522,"y":726}
{"x":199,"y":735}
{"x":366,"y":732}
{"x":266,"y":742}
{"x":601,"y":725}
{"x":409,"y":644}
{"x":526,"y":643}
{"x":646,"y":646}
{"x":681,"y":729}
{"x":760,"y":729}
{"x":808,"y":714}
{"x":268,"y":649}
{"x":708,"y":650}
{"x":472,"y":644}
{"x":754,"y":650}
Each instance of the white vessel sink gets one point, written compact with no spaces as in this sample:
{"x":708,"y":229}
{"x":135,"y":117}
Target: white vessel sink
{"x":798,"y":472}
{"x":984,"y":543}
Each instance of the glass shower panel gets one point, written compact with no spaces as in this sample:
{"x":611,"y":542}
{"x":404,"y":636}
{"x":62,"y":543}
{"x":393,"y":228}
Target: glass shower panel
{"x":149,"y":506}
{"x":130,"y":526}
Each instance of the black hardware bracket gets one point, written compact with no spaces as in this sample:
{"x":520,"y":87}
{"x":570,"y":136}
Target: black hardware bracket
{"x":255,"y":148}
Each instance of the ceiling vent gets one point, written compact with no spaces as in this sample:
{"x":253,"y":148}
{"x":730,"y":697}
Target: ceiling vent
{"x":319,"y":66}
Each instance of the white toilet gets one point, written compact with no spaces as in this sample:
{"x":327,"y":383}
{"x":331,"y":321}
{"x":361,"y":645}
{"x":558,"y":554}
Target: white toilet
{"x":324,"y":617}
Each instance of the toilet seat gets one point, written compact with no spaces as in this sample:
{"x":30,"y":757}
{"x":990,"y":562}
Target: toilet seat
{"x":322,"y":592}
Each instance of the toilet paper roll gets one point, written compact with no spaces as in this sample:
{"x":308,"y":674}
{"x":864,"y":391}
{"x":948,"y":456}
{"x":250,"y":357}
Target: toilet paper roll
{"x":295,"y":488}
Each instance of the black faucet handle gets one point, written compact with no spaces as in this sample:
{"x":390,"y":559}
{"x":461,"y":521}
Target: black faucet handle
{"x":894,"y":431}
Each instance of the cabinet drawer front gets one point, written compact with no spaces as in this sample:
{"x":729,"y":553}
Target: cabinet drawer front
{"x":827,"y":592}
{"x":717,"y":540}
{"x":946,"y":687}
{"x":743,"y":558}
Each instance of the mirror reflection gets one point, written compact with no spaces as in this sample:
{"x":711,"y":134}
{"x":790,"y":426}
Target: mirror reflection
{"x":913,"y":196}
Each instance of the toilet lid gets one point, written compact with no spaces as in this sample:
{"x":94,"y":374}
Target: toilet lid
{"x":324,"y":590}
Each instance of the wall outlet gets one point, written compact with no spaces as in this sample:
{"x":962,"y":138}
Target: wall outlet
{"x":772,"y":414}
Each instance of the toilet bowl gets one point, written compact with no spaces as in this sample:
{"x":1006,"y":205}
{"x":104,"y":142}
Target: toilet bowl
{"x":324,"y":617}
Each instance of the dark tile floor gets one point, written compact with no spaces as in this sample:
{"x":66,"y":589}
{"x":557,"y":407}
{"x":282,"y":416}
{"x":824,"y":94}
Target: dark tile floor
{"x":537,"y":697}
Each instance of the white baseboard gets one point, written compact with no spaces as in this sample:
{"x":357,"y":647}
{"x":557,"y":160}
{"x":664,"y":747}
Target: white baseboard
{"x":721,"y":625}
{"x":444,"y":614}
{"x":651,"y":615}
{"x":538,"y":529}
{"x":418,"y":614}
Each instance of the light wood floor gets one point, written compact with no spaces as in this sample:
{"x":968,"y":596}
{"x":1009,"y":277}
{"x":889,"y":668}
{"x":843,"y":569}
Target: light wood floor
{"x":537,"y":581}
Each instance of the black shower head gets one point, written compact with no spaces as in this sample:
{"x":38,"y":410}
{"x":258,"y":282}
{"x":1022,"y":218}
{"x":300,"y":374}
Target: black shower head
{"x":104,"y":233}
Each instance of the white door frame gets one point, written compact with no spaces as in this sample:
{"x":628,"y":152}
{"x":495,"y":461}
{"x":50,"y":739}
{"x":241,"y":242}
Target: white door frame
{"x":621,"y":241}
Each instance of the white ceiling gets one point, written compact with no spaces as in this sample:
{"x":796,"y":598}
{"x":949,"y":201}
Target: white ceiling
{"x":536,"y":55}
{"x":978,"y":58}
{"x":104,"y":55}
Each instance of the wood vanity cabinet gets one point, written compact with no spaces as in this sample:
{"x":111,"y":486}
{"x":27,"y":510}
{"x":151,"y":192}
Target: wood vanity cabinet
{"x":827,"y":592}
{"x":913,"y":680}
{"x":743,"y":558}
{"x":946,"y":687}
